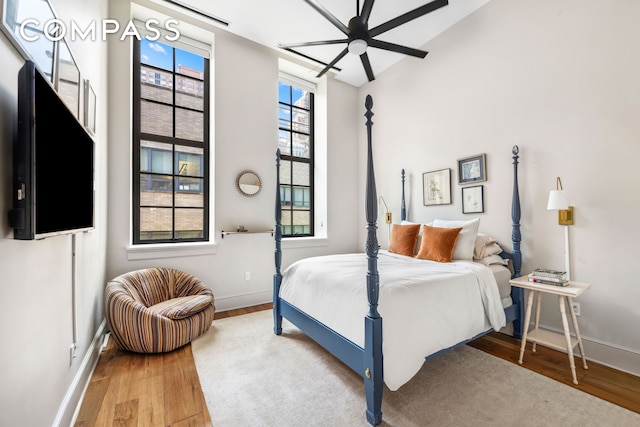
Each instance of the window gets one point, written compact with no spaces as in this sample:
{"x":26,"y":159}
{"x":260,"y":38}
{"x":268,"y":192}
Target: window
{"x":295,"y":141}
{"x":171,"y":145}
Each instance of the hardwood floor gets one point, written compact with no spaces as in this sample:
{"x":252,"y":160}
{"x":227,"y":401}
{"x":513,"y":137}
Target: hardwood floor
{"x":130,"y":389}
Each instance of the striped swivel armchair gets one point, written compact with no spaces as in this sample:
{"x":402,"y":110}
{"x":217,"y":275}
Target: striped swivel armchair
{"x":155,"y":310}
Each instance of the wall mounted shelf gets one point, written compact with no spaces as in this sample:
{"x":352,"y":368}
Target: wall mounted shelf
{"x":224,"y":233}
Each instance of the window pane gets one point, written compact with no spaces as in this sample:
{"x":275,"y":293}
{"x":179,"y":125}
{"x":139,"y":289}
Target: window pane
{"x":155,"y":223}
{"x":156,"y":85}
{"x":301,"y":146}
{"x":301,"y":98}
{"x":189,"y":125}
{"x":155,"y":190}
{"x":190,"y":222}
{"x":284,"y":114}
{"x":189,"y":161}
{"x":301,"y":173}
{"x":157,"y":54}
{"x":285,"y":196}
{"x":156,"y":119}
{"x":189,"y":192}
{"x":301,"y":221}
{"x":189,"y":64}
{"x":189,"y":93}
{"x":284,"y":141}
{"x":286,"y":217}
{"x":284,"y":93}
{"x":155,"y":157}
{"x":301,"y":197}
{"x":301,"y":120}
{"x":285,"y":172}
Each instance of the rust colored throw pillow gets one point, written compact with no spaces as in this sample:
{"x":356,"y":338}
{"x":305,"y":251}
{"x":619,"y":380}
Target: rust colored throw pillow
{"x":403,"y":239}
{"x":438,"y":243}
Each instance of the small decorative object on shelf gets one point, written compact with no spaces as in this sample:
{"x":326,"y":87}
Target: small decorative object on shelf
{"x":242,"y":230}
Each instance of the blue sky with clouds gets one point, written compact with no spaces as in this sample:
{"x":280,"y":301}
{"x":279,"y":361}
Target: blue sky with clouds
{"x":161,"y":55}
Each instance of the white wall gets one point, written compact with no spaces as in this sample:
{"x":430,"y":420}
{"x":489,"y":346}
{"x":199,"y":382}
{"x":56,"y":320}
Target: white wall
{"x":39,"y":384}
{"x":244,"y":136}
{"x":560,"y":80}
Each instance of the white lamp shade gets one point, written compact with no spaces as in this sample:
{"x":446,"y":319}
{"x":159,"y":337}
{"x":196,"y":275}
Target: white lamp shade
{"x":557,"y":201}
{"x":357,"y":47}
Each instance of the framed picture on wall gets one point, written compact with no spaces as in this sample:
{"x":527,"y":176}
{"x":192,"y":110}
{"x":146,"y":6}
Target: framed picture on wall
{"x":437,"y":187}
{"x":473,"y":199}
{"x":472,"y":169}
{"x":89,"y":107}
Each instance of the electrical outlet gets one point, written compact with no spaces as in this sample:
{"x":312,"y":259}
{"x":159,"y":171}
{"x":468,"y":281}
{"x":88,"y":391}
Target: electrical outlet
{"x":576,"y":308}
{"x":388,"y":217}
{"x":247,"y":275}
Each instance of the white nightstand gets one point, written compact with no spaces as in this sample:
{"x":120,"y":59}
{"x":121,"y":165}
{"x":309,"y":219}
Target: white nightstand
{"x":549,"y":338}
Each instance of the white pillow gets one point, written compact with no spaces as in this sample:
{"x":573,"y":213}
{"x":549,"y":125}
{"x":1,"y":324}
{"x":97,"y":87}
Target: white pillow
{"x":466,"y":242}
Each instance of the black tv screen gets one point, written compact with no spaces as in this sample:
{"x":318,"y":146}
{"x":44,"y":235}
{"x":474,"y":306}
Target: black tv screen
{"x":53,"y":163}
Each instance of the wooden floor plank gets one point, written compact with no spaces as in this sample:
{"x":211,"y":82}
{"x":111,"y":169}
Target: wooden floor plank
{"x":168,"y":392}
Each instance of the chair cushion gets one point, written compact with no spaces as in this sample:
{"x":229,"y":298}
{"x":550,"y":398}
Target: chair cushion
{"x":182,"y":307}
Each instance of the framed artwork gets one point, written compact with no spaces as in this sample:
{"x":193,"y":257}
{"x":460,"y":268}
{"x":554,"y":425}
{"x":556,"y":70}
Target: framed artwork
{"x":89,"y":107}
{"x":473,"y":199}
{"x":67,"y":78}
{"x":472,"y":169}
{"x":437,"y":187}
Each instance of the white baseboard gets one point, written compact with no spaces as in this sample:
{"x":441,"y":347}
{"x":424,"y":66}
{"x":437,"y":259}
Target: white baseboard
{"x":70,"y":406}
{"x":244,"y":300}
{"x":609,"y":354}
{"x":602,"y":352}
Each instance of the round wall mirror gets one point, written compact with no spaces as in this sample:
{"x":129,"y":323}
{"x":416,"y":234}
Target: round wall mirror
{"x":248,"y":183}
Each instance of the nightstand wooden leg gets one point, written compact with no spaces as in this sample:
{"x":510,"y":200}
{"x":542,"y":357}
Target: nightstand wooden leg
{"x":577,"y":329}
{"x":538,"y":300}
{"x":567,"y":336}
{"x":525,"y":326}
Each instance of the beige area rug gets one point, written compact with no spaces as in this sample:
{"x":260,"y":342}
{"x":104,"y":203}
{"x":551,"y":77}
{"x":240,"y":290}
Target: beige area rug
{"x":252,"y":377}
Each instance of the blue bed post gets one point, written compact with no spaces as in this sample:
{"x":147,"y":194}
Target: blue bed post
{"x":403,"y":206}
{"x":373,"y":376}
{"x":517,"y":294}
{"x":277,"y":277}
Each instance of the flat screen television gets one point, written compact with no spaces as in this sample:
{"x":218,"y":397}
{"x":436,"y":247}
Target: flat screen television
{"x":53,"y":163}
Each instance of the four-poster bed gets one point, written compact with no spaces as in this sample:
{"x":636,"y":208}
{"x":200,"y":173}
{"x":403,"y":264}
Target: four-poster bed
{"x":417,"y":321}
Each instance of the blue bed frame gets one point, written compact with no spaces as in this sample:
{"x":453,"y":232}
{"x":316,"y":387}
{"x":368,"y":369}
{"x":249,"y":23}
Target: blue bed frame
{"x":367,"y":361}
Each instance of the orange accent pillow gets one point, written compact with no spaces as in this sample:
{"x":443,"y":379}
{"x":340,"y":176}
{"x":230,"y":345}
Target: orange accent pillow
{"x":403,"y":239}
{"x":438,"y":243}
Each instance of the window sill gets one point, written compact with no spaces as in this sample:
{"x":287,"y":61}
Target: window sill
{"x":304,"y":242}
{"x":171,"y":250}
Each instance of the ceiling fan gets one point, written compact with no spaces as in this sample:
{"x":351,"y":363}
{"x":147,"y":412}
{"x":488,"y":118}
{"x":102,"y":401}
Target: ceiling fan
{"x":360,"y":37}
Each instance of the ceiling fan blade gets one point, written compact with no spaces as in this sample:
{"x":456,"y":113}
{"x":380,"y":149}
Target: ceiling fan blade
{"x":367,"y":66}
{"x":310,"y":58}
{"x":366,"y":10}
{"x":409,"y":16}
{"x":324,"y":12}
{"x":318,"y":43}
{"x":332,"y":63}
{"x":398,"y":48}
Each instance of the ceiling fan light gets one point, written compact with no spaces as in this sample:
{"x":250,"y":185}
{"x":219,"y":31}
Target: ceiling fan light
{"x":357,"y":47}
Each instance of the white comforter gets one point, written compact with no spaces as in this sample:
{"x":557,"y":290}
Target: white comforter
{"x":425,"y":306}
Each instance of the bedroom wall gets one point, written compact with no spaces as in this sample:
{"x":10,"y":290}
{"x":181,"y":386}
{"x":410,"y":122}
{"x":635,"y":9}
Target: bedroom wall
{"x":39,"y":383}
{"x":560,"y":80}
{"x":244,"y":129}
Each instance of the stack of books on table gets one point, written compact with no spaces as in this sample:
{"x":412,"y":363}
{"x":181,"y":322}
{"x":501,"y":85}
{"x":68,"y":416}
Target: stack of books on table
{"x":549,"y":277}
